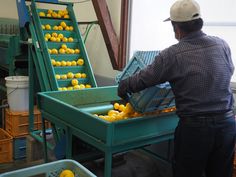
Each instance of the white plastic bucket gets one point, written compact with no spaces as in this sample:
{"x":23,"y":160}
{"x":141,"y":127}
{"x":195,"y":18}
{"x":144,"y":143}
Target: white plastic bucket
{"x":18,"y":92}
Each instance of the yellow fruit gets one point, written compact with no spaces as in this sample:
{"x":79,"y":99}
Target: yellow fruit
{"x":71,"y":28}
{"x":70,"y":75}
{"x":58,"y":16}
{"x":76,"y":87}
{"x":53,"y":62}
{"x":53,"y":39}
{"x":49,"y":51}
{"x":58,"y":39}
{"x":121,"y":107}
{"x":60,"y":12}
{"x":69,"y":88}
{"x":46,"y":39}
{"x":64,"y":76}
{"x":74,"y":82}
{"x":65,"y":12}
{"x":88,"y":86}
{"x":60,"y":36}
{"x":42,"y":14}
{"x":54,"y":15}
{"x":68,"y":51}
{"x":78,"y":75}
{"x":58,"y":63}
{"x":112,"y":112}
{"x":68,"y":63}
{"x":65,"y":39}
{"x":80,"y":62}
{"x":63,"y":24}
{"x":116,"y":106}
{"x":55,"y":28}
{"x":63,"y":63}
{"x":83,"y":75}
{"x":70,"y":39}
{"x":60,"y":28}
{"x":66,"y":16}
{"x":58,"y":76}
{"x":64,"y":46}
{"x":49,"y":15}
{"x":47,"y":35}
{"x":77,"y":51}
{"x":72,"y":51}
{"x":128,"y":109}
{"x":60,"y":89}
{"x":43,"y":27}
{"x":54,"y":51}
{"x":54,"y":34}
{"x":50,"y":11}
{"x":64,"y":89}
{"x":67,"y":28}
{"x":73,"y":63}
{"x":62,"y":51}
{"x":82,"y":86}
{"x":47,"y":27}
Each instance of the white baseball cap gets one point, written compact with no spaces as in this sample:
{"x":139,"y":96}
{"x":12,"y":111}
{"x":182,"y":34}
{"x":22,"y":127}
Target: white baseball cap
{"x":184,"y":10}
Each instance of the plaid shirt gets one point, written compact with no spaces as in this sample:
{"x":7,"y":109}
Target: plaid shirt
{"x":199,"y":69}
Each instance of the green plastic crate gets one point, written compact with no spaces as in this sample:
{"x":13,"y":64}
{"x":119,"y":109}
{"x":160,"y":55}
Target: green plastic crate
{"x":52,"y":169}
{"x":154,"y":98}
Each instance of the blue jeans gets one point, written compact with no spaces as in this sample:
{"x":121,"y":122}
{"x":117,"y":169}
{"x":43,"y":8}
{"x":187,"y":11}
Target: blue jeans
{"x":204,"y":146}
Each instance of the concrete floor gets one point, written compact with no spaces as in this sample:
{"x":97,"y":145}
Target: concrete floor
{"x":131,"y":164}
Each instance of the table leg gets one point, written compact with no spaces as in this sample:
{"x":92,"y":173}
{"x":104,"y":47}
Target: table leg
{"x":108,"y":164}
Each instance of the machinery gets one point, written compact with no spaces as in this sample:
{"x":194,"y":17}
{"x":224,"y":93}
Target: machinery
{"x":70,"y":106}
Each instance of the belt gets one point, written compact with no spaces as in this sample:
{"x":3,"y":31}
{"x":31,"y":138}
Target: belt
{"x":208,"y":116}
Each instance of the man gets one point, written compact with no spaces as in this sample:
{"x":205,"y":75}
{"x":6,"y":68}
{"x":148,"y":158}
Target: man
{"x":199,"y":68}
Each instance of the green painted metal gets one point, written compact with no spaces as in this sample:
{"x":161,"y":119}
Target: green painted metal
{"x":69,"y":108}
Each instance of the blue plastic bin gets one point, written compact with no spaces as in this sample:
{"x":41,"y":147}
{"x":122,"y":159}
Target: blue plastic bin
{"x":155,"y":98}
{"x":52,"y":169}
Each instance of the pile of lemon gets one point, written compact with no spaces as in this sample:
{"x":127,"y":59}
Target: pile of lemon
{"x":55,"y":14}
{"x":79,"y":62}
{"x":70,"y":75}
{"x":60,"y":27}
{"x":57,"y":37}
{"x":122,"y":112}
{"x":66,"y":173}
{"x":63,"y":50}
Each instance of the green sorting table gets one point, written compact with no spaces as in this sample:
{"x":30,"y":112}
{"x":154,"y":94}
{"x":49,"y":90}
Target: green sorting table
{"x":68,"y":110}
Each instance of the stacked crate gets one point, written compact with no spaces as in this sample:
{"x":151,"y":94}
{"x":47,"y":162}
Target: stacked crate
{"x":5,"y":146}
{"x":17,"y":125}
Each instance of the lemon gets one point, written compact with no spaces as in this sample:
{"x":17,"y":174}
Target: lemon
{"x":54,"y":15}
{"x":65,"y":39}
{"x":70,"y":75}
{"x":58,"y":76}
{"x":47,"y":35}
{"x":69,"y":88}
{"x":53,"y":62}
{"x":74,"y":82}
{"x":64,"y":89}
{"x":64,"y":76}
{"x":63,"y":63}
{"x":58,"y":63}
{"x":47,"y":27}
{"x":54,"y":51}
{"x":73,"y":63}
{"x":53,"y":39}
{"x":128,"y":109}
{"x":43,"y":27}
{"x":83,"y":75}
{"x":50,"y":11}
{"x":60,"y":89}
{"x":67,"y":28}
{"x":71,"y":28}
{"x":46,"y":39}
{"x":121,"y":107}
{"x":58,"y":16}
{"x":64,"y":46}
{"x":66,"y":16}
{"x":55,"y":28}
{"x":70,"y":39}
{"x":63,"y":24}
{"x":60,"y":28}
{"x":78,"y":75}
{"x":76,"y":87}
{"x":49,"y":51}
{"x":65,"y":12}
{"x":58,"y":39}
{"x":88,"y":86}
{"x":60,"y":36}
{"x":42,"y":14}
{"x":116,"y":106}
{"x":77,"y":51}
{"x":82,"y":86}
{"x":49,"y":15}
{"x":62,"y":51}
{"x":68,"y":63}
{"x":54,"y":34}
{"x":80,"y":61}
{"x":68,"y":50}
